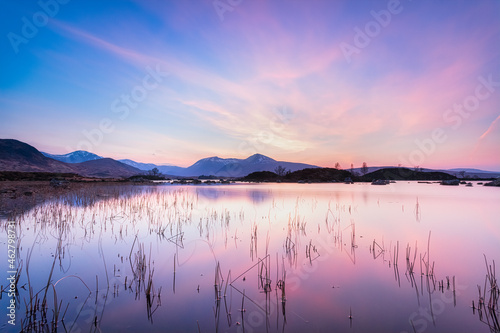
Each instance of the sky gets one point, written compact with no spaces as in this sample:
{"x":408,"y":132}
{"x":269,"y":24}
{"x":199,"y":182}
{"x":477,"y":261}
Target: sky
{"x":415,"y":83}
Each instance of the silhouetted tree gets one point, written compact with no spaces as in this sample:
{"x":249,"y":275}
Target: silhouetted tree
{"x":364,"y":168}
{"x":280,"y":171}
{"x":154,"y":172}
{"x":337,"y":166}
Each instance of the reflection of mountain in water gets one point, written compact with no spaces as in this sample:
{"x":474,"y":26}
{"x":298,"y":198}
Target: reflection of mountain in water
{"x":216,"y":193}
{"x":15,"y":201}
{"x":259,"y":195}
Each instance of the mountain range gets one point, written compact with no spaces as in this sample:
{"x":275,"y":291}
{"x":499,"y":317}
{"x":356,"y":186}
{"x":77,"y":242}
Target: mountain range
{"x":210,"y":166}
{"x":226,"y":167}
{"x":232,"y":167}
{"x":18,"y":156}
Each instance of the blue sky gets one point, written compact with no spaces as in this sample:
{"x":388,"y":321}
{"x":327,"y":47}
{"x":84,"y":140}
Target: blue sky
{"x":320,"y":82}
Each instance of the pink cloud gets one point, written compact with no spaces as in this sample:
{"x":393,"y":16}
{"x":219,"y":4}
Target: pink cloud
{"x":334,"y":107}
{"x":494,"y":126}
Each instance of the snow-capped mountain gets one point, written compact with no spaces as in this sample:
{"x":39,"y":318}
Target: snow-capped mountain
{"x":210,"y":166}
{"x":232,"y":167}
{"x":259,"y":159}
{"x":78,"y":156}
{"x":258,"y":162}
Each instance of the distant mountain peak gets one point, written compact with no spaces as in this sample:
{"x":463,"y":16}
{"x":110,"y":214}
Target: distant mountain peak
{"x":207,"y":159}
{"x":214,"y":160}
{"x":77,"y":156}
{"x":259,"y":158}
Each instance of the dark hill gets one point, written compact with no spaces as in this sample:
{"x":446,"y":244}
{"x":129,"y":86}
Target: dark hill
{"x":262,"y":176}
{"x":310,"y":175}
{"x":405,"y":174}
{"x":19,"y":156}
{"x":105,"y":168}
{"x":317,"y":175}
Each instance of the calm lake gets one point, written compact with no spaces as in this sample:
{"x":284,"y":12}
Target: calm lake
{"x":404,"y":257}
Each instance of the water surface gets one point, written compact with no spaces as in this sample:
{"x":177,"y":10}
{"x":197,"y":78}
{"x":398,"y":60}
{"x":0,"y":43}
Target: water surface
{"x":259,"y":257}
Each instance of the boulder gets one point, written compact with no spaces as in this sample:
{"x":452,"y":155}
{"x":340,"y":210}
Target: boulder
{"x":496,"y":182}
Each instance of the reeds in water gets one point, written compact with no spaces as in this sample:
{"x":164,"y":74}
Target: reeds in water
{"x":488,"y":302}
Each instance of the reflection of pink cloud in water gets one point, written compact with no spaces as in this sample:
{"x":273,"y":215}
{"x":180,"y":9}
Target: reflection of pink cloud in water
{"x":219,"y":223}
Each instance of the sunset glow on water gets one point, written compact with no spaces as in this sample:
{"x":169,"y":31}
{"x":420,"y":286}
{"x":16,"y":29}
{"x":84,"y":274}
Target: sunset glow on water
{"x":337,"y":244}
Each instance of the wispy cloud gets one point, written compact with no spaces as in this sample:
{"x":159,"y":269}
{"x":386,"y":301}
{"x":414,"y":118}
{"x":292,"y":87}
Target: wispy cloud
{"x":493,"y":126}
